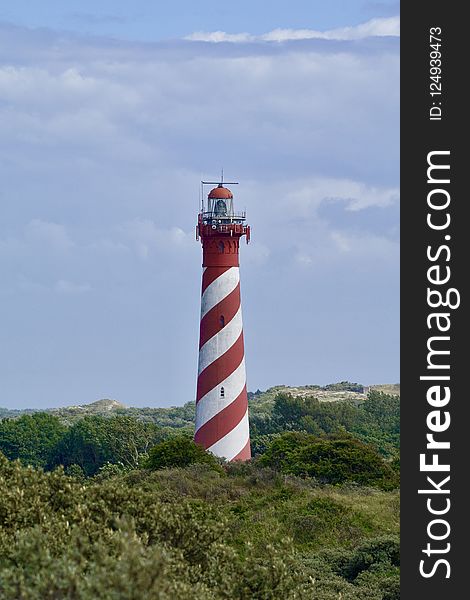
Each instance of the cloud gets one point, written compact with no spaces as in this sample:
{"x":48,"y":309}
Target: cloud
{"x":69,"y":287}
{"x":102,"y":147}
{"x":324,"y":224}
{"x":355,"y":195}
{"x":147,"y":237}
{"x":150,"y":107}
{"x":368,"y":245}
{"x":219,"y":36}
{"x":362,"y":251}
{"x":385,"y":26}
{"x":50,"y":234}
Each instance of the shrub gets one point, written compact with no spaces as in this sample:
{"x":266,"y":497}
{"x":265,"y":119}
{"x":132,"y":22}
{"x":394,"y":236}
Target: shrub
{"x":62,"y":539}
{"x":180,"y":451}
{"x":333,"y":459}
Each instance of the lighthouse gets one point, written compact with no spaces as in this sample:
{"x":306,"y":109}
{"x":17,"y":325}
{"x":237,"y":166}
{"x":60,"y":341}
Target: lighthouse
{"x":221,"y":400}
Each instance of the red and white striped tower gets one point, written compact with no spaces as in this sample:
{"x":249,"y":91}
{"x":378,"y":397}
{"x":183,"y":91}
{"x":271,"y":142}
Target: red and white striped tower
{"x":221,"y":402}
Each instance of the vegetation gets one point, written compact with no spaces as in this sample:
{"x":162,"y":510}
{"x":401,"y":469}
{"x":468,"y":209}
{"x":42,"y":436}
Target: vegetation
{"x":193,"y":533}
{"x":332,"y":459}
{"x":116,"y":505}
{"x":375,"y":420}
{"x":180,"y":451}
{"x":95,"y":441}
{"x":31,"y":438}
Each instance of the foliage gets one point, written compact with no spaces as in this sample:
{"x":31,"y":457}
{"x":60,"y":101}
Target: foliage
{"x":75,"y":471}
{"x":177,"y":417}
{"x":94,"y":441}
{"x":136,"y":510}
{"x":190,"y":532}
{"x":312,"y":408}
{"x":375,"y":421}
{"x":61,"y":539}
{"x":334,"y":459}
{"x":31,"y":438}
{"x":180,"y":451}
{"x":345,"y":386}
{"x":260,"y":443}
{"x":109,"y":470}
{"x":371,"y":570}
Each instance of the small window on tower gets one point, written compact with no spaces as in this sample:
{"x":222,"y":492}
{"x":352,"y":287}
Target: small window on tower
{"x":221,"y":247}
{"x":222,"y":392}
{"x":222,"y":321}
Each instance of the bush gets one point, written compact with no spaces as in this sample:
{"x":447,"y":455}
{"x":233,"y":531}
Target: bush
{"x":333,"y":459}
{"x":344,"y":386}
{"x":63,"y":539}
{"x":383,"y":552}
{"x":180,"y":451}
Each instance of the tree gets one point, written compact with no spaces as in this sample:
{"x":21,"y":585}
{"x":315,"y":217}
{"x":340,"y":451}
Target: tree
{"x":129,"y":440}
{"x":375,"y":421}
{"x":31,"y":438}
{"x":290,"y":409}
{"x":384,"y":409}
{"x":95,"y":441}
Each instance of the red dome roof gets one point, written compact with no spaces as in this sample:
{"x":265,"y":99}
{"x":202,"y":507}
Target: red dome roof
{"x":220,"y":192}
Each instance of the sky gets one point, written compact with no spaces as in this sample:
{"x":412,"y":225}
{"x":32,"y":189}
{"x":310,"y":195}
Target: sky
{"x":110,"y":115}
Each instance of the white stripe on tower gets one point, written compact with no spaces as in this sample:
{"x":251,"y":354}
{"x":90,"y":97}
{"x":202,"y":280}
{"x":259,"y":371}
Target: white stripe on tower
{"x":232,"y":443}
{"x":222,"y":404}
{"x":210,"y":404}
{"x":220,"y":342}
{"x":219,"y":289}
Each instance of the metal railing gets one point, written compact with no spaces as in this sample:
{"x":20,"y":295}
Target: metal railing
{"x":212,"y":216}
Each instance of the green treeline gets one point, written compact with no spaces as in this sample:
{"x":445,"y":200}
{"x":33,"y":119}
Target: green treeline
{"x":121,"y":506}
{"x":49,"y":439}
{"x":375,"y":421}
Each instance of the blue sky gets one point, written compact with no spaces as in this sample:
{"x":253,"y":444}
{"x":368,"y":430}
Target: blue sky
{"x":110,"y":114}
{"x":147,"y":20}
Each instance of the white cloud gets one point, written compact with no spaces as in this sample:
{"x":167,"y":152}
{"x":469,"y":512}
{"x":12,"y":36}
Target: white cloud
{"x":219,"y":36}
{"x":303,"y":259}
{"x":69,"y":287}
{"x":156,"y":109}
{"x":51,"y":234}
{"x":102,"y":146}
{"x":386,"y":26}
{"x":306,"y":197}
{"x":373,"y":247}
{"x":147,"y":237}
{"x":299,"y":213}
{"x":357,"y":250}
